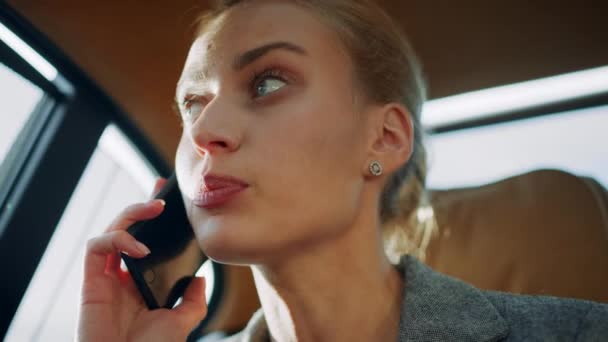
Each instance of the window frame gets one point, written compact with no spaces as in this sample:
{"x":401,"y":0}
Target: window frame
{"x":550,"y":108}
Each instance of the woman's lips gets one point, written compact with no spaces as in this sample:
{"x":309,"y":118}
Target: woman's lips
{"x":217,"y":190}
{"x":214,"y":198}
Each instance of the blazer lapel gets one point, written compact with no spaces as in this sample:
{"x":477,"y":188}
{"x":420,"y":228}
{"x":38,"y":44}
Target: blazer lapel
{"x":437,"y":307}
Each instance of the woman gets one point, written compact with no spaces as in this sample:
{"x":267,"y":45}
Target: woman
{"x":307,"y":113}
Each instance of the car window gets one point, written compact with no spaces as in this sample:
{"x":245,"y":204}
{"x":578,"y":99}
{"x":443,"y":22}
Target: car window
{"x":19,"y":98}
{"x":116,"y":176}
{"x":59,"y":131}
{"x":556,"y":122}
{"x":574,"y":141}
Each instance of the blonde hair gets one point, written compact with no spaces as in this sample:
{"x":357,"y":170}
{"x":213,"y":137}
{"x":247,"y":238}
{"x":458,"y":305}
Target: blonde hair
{"x":387,"y":70}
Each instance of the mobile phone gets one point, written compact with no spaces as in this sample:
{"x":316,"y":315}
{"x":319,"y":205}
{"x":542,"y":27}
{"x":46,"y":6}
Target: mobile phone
{"x":163,"y":275}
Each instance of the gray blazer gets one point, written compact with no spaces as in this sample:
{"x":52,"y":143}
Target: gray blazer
{"x":437,"y":307}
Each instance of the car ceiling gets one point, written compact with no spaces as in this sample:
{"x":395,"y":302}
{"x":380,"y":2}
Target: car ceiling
{"x":135,"y":50}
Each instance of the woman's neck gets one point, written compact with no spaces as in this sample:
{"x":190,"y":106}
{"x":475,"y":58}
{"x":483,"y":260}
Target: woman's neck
{"x":341,"y":290}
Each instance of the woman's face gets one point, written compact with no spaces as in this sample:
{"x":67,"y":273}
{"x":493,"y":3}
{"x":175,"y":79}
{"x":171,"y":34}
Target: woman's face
{"x":283,"y":120}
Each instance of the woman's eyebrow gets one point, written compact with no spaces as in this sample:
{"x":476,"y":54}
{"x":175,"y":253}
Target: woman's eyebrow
{"x":252,"y":55}
{"x":199,"y":74}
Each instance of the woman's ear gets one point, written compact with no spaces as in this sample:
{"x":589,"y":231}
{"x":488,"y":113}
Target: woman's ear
{"x":393,"y":138}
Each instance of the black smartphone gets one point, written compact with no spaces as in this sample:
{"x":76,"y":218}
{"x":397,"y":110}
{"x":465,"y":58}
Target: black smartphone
{"x":163,"y":275}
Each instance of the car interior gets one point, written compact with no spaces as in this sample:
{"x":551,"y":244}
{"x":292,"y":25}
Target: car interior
{"x":515,"y":124}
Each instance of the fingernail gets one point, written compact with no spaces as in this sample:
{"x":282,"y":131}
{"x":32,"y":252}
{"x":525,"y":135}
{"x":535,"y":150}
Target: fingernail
{"x":142,"y":248}
{"x":154,"y":201}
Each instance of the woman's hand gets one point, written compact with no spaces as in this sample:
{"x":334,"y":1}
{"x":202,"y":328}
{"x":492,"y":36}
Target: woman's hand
{"x":111,"y":307}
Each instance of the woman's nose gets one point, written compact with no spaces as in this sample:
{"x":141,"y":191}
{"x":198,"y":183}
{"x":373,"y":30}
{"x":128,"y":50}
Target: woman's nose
{"x":215,"y":130}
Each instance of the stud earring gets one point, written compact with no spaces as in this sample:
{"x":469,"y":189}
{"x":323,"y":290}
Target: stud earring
{"x":375,"y":168}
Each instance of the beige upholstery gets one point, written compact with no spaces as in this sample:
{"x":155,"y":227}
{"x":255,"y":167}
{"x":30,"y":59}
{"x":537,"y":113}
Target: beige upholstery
{"x":544,"y":232}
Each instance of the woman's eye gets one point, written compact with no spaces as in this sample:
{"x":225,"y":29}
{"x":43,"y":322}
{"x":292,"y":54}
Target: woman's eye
{"x":268,"y":85}
{"x":192,"y":108}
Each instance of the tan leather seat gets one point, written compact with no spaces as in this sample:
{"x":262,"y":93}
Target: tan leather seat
{"x":544,"y":232}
